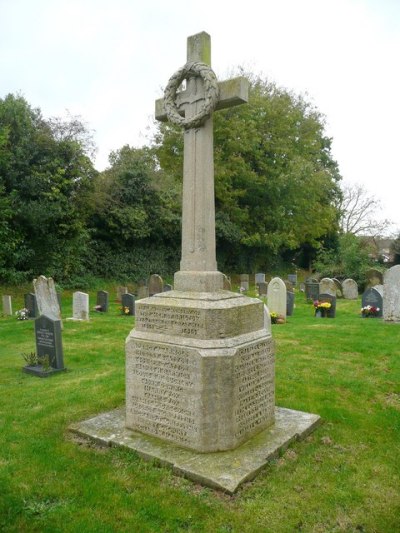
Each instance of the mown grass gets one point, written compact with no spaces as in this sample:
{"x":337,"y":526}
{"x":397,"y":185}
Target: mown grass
{"x":343,"y":477}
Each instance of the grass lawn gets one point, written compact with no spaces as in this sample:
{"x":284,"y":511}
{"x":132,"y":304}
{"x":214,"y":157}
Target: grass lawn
{"x":343,"y":477}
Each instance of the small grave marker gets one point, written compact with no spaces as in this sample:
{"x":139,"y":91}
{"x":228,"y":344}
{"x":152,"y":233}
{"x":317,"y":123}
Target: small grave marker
{"x":128,"y":304}
{"x":102,"y":301}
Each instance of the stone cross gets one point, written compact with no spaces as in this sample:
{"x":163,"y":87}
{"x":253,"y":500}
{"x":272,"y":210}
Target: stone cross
{"x":198,"y":267}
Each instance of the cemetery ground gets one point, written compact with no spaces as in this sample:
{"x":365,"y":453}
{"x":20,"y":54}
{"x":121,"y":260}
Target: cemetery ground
{"x":343,"y":477}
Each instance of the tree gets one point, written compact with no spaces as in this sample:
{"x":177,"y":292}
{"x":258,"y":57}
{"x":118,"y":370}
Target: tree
{"x":359,"y":212}
{"x":275,"y":179}
{"x":44,"y":178}
{"x":350,"y":259}
{"x":135,"y":222}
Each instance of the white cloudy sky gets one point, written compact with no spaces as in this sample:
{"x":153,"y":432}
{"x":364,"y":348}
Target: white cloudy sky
{"x":107,"y":61}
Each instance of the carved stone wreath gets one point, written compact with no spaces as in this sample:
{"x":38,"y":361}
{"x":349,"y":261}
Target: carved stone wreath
{"x":211,"y":94}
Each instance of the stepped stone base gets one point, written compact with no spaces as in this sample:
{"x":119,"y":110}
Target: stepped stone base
{"x":225,"y":471}
{"x":200,"y":369}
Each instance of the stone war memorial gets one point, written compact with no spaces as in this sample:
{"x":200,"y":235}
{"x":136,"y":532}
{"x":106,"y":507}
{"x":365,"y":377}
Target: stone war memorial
{"x":200,"y":391}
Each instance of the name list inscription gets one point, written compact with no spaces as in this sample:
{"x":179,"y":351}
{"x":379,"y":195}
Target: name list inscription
{"x":45,"y":338}
{"x":164,"y":319}
{"x":162,"y":396}
{"x":254,"y":387}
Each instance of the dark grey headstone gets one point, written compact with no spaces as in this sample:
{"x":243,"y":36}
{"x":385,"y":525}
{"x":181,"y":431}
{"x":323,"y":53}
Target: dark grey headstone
{"x":48,"y":346}
{"x":312,"y":290}
{"x":30,"y":304}
{"x":374,"y":298}
{"x":293,"y":279}
{"x":128,"y":302}
{"x":289,"y":303}
{"x":331,"y":313}
{"x":167,"y":287}
{"x":102,"y":301}
{"x":262,"y":288}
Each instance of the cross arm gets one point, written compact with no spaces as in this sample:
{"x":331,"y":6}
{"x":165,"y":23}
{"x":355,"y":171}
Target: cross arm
{"x":232,"y":93}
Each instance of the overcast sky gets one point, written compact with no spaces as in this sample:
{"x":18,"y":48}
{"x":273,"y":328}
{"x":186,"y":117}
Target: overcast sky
{"x":107,"y":61}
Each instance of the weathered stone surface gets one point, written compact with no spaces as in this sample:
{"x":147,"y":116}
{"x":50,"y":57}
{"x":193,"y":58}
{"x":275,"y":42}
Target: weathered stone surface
{"x":391,"y":294}
{"x":327,"y":286}
{"x":7,"y":304}
{"x":350,"y":289}
{"x":226,"y":470}
{"x":80,"y":306}
{"x":156,"y":284}
{"x":276,"y":296}
{"x":46,"y":298}
{"x":245,"y":281}
{"x":200,"y":369}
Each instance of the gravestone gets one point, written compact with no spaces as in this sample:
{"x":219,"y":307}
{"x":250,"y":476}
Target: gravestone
{"x":120,"y":291}
{"x":259,"y":278}
{"x":290,"y":297}
{"x":167,"y":287}
{"x":7,"y":305}
{"x":373,"y":277}
{"x":200,"y":361}
{"x":47,"y":299}
{"x":80,"y":306}
{"x":293,"y":279}
{"x":331,"y":312}
{"x":30,"y":304}
{"x":391,"y":294}
{"x":262,"y":288}
{"x":327,"y":286}
{"x":102,"y":301}
{"x":128,"y":302}
{"x":142,"y":292}
{"x":312,"y":289}
{"x":156,"y":284}
{"x":350,"y":289}
{"x":373,"y":297}
{"x":339,"y":288}
{"x":244,"y":281}
{"x":49,"y":349}
{"x":276,"y":296}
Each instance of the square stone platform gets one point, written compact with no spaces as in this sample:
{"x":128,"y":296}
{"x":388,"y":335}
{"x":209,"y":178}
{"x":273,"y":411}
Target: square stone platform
{"x":226,"y":470}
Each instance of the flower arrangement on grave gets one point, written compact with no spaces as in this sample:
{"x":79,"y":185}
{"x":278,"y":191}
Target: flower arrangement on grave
{"x":98,"y":308}
{"x":22,"y":314}
{"x":124,"y":310}
{"x":370,"y":311}
{"x":321,"y":308}
{"x":276,"y":318}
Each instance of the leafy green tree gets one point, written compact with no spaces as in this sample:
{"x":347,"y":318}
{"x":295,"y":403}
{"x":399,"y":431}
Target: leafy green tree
{"x":351,"y":259}
{"x":45,"y":176}
{"x":135,"y":221}
{"x":275,"y":180}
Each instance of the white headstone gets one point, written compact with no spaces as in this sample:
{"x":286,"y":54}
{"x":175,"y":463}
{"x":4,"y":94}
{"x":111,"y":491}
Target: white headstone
{"x":46,"y":298}
{"x":80,"y":306}
{"x":327,"y":286}
{"x":7,"y":305}
{"x":276,"y":296}
{"x":391,"y":294}
{"x":350,"y":289}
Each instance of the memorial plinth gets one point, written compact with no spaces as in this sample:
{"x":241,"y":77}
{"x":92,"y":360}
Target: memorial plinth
{"x":200,"y":369}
